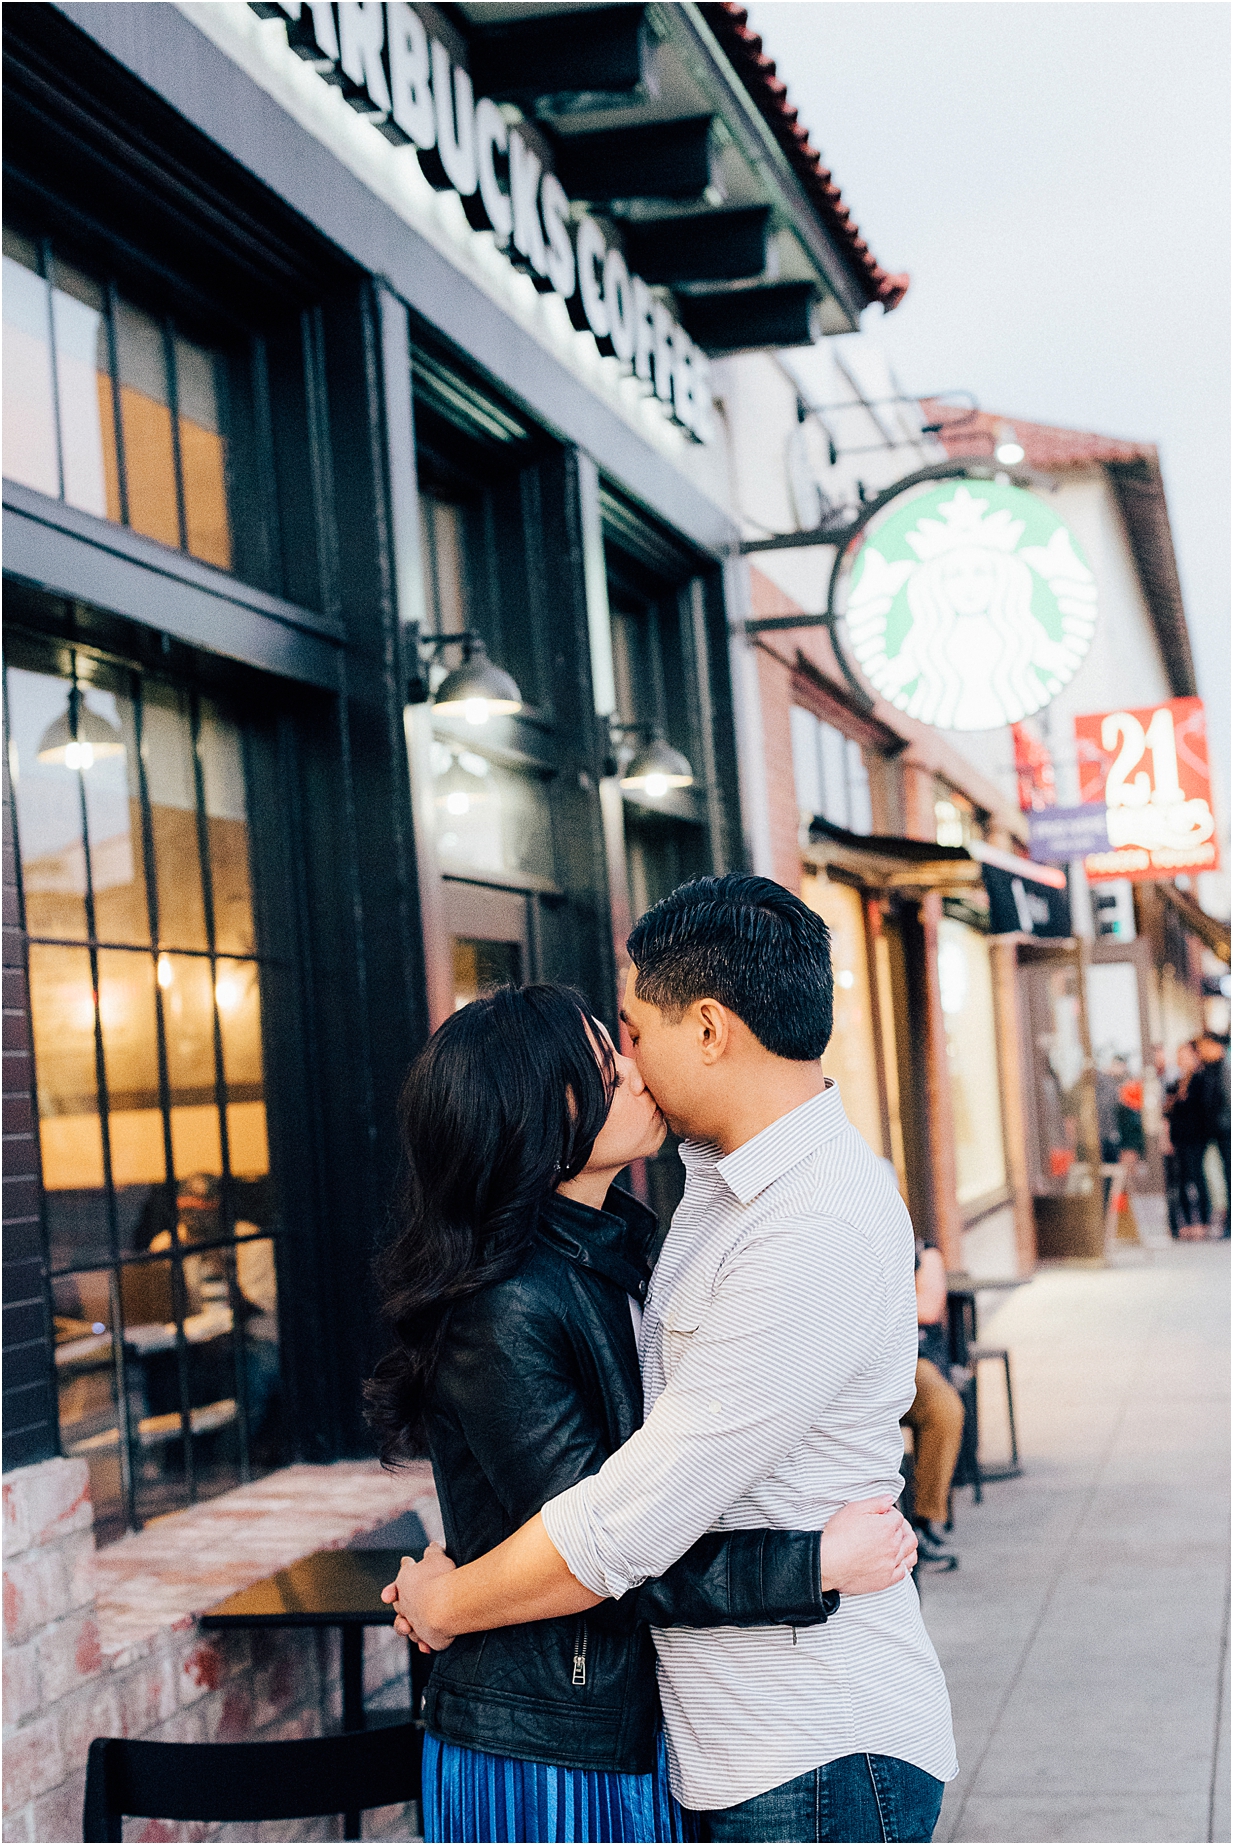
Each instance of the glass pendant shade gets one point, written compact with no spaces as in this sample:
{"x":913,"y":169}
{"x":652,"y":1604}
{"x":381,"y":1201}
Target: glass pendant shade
{"x":656,"y":768}
{"x":96,"y":737}
{"x":478,"y":690}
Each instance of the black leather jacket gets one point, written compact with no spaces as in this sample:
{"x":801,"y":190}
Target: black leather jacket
{"x":537,"y":1386}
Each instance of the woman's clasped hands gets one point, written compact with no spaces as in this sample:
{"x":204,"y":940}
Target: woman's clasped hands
{"x":411,"y":1593}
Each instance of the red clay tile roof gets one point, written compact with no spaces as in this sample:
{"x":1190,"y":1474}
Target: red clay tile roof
{"x":1133,"y":469}
{"x":978,"y":433}
{"x":743,"y":48}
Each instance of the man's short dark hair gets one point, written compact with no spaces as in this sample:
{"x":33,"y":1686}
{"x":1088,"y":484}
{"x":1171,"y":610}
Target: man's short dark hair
{"x":748,"y":943}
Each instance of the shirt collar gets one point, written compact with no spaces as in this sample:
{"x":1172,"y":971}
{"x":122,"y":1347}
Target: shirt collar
{"x":782,"y":1145}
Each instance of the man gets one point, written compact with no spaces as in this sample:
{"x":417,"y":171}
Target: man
{"x":1213,"y":1086}
{"x":936,"y":1415}
{"x":778,"y":1351}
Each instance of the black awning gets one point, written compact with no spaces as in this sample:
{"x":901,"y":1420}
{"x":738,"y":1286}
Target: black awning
{"x":1024,"y":898}
{"x":885,"y":862}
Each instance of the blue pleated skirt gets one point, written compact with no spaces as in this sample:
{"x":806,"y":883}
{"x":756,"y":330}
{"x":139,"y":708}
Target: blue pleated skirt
{"x":470,"y":1797}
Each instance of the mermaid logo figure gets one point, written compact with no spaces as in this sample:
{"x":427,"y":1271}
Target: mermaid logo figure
{"x":970,"y":611}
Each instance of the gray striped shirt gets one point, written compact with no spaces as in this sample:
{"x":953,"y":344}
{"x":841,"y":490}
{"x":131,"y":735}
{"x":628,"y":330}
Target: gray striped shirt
{"x":778,"y":1353}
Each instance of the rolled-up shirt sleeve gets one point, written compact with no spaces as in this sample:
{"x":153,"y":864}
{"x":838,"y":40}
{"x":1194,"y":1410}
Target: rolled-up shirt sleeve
{"x":795,"y":1315}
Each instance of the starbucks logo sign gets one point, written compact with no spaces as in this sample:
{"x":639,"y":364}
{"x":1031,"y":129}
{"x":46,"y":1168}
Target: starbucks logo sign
{"x":970,"y":606}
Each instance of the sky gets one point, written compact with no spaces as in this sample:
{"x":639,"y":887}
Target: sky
{"x":1054,"y":175}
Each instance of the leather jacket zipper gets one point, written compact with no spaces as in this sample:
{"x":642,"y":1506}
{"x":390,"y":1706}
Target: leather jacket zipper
{"x":580,"y":1655}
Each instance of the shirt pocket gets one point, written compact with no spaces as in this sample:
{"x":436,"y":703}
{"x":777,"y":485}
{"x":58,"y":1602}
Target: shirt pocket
{"x":682,"y":1315}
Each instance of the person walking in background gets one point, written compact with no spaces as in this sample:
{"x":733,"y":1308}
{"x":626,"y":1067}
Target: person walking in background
{"x":1188,"y":1133}
{"x":1168,"y":1158}
{"x":936,"y":1415}
{"x":1213,"y":1082}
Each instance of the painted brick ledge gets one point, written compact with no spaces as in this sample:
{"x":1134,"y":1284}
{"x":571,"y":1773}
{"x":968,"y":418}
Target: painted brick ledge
{"x":162,"y":1578}
{"x":107,"y":1644}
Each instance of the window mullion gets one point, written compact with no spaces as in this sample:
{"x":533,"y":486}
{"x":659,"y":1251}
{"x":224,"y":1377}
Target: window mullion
{"x":179,"y":1289}
{"x":238,"y":1343}
{"x":46,"y":261}
{"x":119,"y":1365}
{"x":117,"y":412}
{"x":173,"y":396}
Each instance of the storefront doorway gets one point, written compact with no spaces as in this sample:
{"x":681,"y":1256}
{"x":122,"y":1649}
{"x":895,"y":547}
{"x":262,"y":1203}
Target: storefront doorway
{"x":490,"y":938}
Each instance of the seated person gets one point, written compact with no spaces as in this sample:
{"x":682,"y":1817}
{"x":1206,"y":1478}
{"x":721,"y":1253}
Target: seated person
{"x":936,"y":1415}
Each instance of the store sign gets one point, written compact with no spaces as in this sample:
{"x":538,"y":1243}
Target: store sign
{"x":391,"y":70}
{"x":1061,"y":834}
{"x":1148,"y":768}
{"x":1024,"y":898}
{"x":971,"y":605}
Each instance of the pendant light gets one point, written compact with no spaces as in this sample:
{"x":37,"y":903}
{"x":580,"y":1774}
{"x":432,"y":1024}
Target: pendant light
{"x":656,"y":768}
{"x":79,"y":737}
{"x":478,"y":690}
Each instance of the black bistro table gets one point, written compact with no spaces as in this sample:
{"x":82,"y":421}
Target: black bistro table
{"x":331,"y":1588}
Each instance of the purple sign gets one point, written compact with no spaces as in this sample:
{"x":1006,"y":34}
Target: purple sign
{"x":1058,"y":834}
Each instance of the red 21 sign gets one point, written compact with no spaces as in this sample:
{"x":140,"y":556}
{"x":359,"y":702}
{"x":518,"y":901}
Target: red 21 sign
{"x":1149,"y":769}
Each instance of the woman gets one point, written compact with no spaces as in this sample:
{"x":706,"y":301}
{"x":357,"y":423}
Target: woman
{"x":515,"y":1289}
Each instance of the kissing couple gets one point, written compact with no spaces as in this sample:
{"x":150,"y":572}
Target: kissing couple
{"x":676,"y":1597}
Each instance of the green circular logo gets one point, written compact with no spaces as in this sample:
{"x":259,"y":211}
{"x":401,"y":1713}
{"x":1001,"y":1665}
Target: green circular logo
{"x":970,"y":606}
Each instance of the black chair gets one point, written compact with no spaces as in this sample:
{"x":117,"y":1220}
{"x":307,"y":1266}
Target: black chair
{"x":248,"y":1781}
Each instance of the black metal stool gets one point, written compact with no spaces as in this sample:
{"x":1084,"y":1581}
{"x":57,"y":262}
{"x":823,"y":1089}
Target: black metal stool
{"x":977,"y":1354}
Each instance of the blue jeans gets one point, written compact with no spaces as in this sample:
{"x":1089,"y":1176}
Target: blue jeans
{"x":858,"y":1797}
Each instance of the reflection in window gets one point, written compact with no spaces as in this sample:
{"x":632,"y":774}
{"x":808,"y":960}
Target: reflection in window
{"x":955,"y":818}
{"x":1064,"y":1160}
{"x":965,"y":983}
{"x":109,"y":409}
{"x":832,"y":781}
{"x":480,"y":966}
{"x":489,"y":817}
{"x":442,"y":540}
{"x":851,"y":1057}
{"x":146,"y":1011}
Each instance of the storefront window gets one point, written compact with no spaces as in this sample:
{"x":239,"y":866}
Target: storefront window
{"x":966,"y":984}
{"x":131,"y":823}
{"x":832,"y":780}
{"x":1064,"y":1159}
{"x":852,"y":1055}
{"x":955,"y":818}
{"x":109,"y":409}
{"x":490,"y":817}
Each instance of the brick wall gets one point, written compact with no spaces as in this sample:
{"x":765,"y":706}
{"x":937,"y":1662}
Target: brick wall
{"x":775,"y":665}
{"x":104,"y":1645}
{"x":30,"y":1432}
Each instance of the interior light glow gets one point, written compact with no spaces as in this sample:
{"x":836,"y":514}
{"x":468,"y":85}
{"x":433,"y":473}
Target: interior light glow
{"x":166,"y":972}
{"x":656,"y":768}
{"x":845,"y":978}
{"x":80,"y":737}
{"x":227,"y":993}
{"x":1009,"y":453}
{"x":458,"y":803}
{"x":475,"y":710}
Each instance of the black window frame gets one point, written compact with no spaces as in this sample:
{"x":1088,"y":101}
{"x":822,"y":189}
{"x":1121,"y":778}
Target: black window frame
{"x":33,"y":649}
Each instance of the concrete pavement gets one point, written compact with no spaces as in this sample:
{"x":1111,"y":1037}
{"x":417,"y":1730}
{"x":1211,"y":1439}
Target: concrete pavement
{"x":1085,"y":1634}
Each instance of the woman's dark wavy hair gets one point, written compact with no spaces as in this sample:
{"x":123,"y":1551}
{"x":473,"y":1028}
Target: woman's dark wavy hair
{"x":504,"y":1101}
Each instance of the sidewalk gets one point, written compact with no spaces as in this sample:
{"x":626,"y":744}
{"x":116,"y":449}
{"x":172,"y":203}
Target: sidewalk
{"x":1085,"y":1633}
